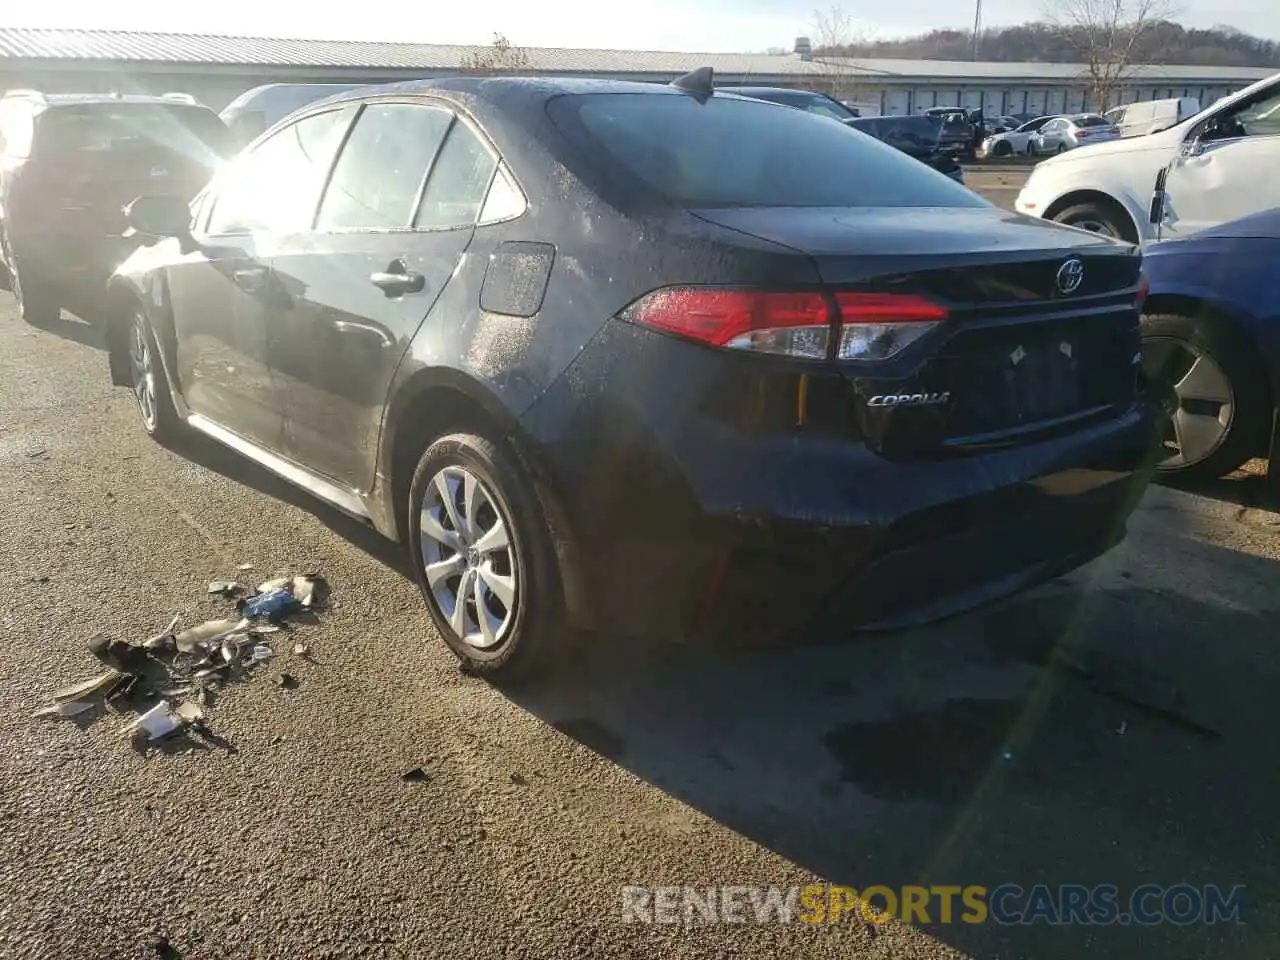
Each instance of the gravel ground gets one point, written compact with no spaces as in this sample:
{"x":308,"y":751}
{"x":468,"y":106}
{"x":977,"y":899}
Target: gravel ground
{"x":946,"y":755}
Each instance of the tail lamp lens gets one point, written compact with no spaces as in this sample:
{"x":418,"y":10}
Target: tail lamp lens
{"x":871,"y":326}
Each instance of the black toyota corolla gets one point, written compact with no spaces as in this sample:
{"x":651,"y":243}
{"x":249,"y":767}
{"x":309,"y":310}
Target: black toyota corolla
{"x":613,"y":356}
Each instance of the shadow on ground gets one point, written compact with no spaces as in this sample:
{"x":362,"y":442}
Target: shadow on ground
{"x":1245,"y":488}
{"x":1067,"y":737}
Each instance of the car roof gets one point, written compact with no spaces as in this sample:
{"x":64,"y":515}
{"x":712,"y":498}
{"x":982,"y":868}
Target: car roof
{"x":493,"y":89}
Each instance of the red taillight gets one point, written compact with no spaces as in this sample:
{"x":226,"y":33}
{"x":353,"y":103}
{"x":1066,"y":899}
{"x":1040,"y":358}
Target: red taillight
{"x":793,"y":324}
{"x":1144,"y":287}
{"x":872,"y":326}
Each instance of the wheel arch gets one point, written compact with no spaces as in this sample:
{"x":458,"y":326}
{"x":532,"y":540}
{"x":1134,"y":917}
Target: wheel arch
{"x":435,"y":401}
{"x":1073,"y":197}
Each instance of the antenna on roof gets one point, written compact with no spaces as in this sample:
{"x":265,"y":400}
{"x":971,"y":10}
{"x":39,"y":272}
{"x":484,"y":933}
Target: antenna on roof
{"x":700,"y":84}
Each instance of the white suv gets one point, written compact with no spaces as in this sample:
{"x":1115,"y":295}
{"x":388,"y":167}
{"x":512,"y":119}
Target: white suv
{"x":1218,"y":165}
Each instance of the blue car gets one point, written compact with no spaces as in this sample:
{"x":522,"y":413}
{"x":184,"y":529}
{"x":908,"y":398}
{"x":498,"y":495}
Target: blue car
{"x":1211,"y":346}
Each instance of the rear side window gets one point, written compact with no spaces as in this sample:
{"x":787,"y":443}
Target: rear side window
{"x":380,"y":171}
{"x":459,"y":181}
{"x":730,"y":152}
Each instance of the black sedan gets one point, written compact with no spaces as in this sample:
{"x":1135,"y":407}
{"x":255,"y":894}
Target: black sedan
{"x":919,"y":137}
{"x":613,"y":356}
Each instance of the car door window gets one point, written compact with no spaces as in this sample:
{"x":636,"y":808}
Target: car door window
{"x":379,"y":174}
{"x":1258,"y":116}
{"x":458,"y":182}
{"x":276,"y":185}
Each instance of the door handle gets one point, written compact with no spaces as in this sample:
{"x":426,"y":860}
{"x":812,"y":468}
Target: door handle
{"x":398,"y":279}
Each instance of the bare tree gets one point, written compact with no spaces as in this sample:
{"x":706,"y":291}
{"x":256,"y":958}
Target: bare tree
{"x":499,"y":57}
{"x":838,"y":40}
{"x":1108,"y":35}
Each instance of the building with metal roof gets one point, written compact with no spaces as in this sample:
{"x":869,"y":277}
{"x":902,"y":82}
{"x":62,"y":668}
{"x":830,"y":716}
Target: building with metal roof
{"x":216,"y":69}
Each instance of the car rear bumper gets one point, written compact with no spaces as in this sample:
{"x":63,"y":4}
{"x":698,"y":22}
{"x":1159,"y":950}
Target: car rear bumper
{"x":708,"y":530}
{"x":83,"y":260}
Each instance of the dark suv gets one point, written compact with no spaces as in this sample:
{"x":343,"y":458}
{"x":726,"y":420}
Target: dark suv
{"x":71,"y":163}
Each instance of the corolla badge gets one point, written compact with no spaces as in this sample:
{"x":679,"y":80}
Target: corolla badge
{"x":908,"y":399}
{"x":1070,"y":275}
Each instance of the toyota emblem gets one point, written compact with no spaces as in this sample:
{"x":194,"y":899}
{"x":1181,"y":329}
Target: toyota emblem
{"x":1070,"y":275}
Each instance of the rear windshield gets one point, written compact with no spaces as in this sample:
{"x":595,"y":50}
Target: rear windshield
{"x":739,"y":153}
{"x":1091,"y":122}
{"x":806,"y":101}
{"x":192,"y":131}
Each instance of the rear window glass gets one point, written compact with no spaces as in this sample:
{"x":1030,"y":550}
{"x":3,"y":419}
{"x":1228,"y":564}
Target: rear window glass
{"x":730,"y":152}
{"x":1092,"y":122}
{"x":195,"y":132}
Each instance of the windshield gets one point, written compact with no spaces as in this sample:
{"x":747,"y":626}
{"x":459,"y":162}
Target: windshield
{"x":732,"y":152}
{"x":191,"y":131}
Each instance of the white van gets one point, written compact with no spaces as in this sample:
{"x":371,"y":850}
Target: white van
{"x":1217,"y":165}
{"x":1152,"y":116}
{"x":257,"y":110}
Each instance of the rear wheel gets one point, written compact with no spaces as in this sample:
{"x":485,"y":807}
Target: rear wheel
{"x":483,"y":557}
{"x":1099,"y":216}
{"x":1214,"y":400}
{"x":34,"y":297}
{"x":1062,"y":148}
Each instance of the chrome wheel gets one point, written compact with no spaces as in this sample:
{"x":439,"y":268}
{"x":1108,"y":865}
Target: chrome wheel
{"x":1197,"y":403}
{"x":469,"y":558}
{"x":141,"y":366}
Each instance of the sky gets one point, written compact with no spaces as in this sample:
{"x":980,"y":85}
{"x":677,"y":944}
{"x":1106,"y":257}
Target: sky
{"x":692,"y":25}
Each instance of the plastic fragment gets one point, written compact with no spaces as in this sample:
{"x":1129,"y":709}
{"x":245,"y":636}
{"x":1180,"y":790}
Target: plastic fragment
{"x":99,"y":684}
{"x":301,"y":650}
{"x":262,"y":652}
{"x":160,"y":721}
{"x":193,"y":637}
{"x":245,"y":566}
{"x":270,"y":605}
{"x":225,"y":588}
{"x":64,"y":710}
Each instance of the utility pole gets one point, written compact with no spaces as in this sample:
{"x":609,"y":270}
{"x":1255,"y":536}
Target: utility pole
{"x":977,"y":29}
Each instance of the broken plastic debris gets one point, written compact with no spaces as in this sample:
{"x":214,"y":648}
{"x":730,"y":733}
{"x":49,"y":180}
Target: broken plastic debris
{"x":415,"y":775}
{"x":309,"y":589}
{"x":262,"y":652}
{"x":287,"y":681}
{"x":225,"y":588}
{"x":270,"y":605}
{"x":193,"y":637}
{"x":163,"y":637}
{"x":162,"y":720}
{"x":301,"y":650}
{"x":99,"y":684}
{"x":245,"y":566}
{"x":69,"y":708}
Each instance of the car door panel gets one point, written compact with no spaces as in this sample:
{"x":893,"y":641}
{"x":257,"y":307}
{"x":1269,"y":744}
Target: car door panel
{"x":224,"y":293}
{"x":389,"y":210}
{"x":1220,"y":181}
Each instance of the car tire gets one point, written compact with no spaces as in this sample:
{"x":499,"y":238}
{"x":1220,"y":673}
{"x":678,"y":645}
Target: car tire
{"x":511,"y":622}
{"x":1031,"y":148}
{"x":1002,"y":149}
{"x":1062,"y":148}
{"x":1099,"y":216}
{"x":1227,"y":435}
{"x":33,"y":297}
{"x":148,"y":381}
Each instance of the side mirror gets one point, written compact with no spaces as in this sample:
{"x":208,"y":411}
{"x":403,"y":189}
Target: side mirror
{"x":1193,"y":147}
{"x":160,"y":216}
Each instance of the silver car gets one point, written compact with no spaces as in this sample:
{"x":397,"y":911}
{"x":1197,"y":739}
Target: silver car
{"x":1078,"y":130}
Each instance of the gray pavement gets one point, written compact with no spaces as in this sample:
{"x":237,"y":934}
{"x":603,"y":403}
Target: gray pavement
{"x":951,"y":754}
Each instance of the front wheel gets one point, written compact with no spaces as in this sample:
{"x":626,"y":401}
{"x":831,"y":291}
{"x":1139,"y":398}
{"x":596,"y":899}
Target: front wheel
{"x":1099,"y":216}
{"x":483,"y":557}
{"x":1214,"y":400}
{"x":1002,"y":149}
{"x":150,"y":385}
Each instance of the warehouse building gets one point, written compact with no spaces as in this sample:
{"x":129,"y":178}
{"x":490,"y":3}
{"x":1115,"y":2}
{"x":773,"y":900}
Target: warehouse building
{"x":215,"y":69}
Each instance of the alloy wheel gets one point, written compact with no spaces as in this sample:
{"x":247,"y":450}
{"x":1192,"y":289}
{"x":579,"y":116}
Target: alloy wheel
{"x":1197,"y":403}
{"x":470,"y":560}
{"x":141,"y":366}
{"x":1095,"y":226}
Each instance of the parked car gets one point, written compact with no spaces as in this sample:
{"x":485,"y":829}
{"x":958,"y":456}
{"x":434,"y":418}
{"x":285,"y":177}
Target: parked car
{"x":70,"y":164}
{"x":608,"y":355}
{"x":916,"y":137}
{"x":1013,"y":142}
{"x":1151,"y":116}
{"x":957,"y":129}
{"x":1227,"y":150}
{"x":1211,"y":346}
{"x":257,"y":110}
{"x":1061,"y":134}
{"x":813,"y":102}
